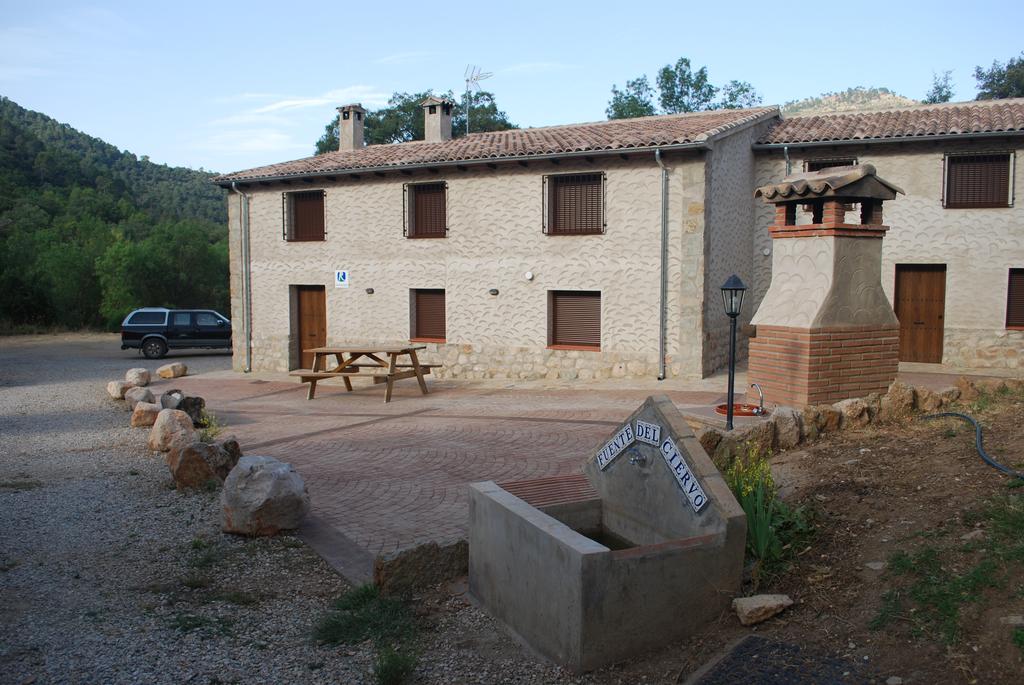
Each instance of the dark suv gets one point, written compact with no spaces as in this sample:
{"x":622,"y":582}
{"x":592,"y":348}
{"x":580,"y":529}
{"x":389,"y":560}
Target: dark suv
{"x":154,"y":330}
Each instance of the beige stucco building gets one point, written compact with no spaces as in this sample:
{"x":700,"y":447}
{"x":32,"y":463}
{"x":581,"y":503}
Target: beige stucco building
{"x":522,"y":238}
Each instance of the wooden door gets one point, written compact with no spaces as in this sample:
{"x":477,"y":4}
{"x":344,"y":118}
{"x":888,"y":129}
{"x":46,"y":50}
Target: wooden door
{"x":312,"y":318}
{"x":921,"y":308}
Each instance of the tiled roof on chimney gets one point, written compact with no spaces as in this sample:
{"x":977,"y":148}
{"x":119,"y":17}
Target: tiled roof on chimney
{"x":958,"y":118}
{"x":617,"y":134}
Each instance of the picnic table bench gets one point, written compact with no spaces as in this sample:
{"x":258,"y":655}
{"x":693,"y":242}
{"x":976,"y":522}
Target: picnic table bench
{"x":365,"y":360}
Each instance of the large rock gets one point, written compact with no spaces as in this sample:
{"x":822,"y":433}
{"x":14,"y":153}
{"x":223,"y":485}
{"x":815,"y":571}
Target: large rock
{"x":928,"y":401}
{"x":709,"y":439}
{"x":190,"y":404}
{"x":116,"y":389}
{"x":788,"y":427}
{"x":172,"y":428}
{"x":138,"y":378}
{"x":968,"y":391}
{"x":855,"y":412}
{"x":898,"y":402}
{"x":949,"y":395}
{"x":172,"y":399}
{"x":144,"y":414}
{"x":757,"y":437}
{"x":196,"y":464}
{"x":134,"y":395}
{"x":172,"y":370}
{"x":262,"y":496}
{"x":751,"y":610}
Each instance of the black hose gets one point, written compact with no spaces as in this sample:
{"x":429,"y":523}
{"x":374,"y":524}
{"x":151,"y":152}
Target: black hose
{"x":977,"y":441}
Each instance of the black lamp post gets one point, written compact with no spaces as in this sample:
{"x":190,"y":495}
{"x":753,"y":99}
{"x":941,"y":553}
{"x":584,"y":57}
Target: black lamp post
{"x":732,"y":297}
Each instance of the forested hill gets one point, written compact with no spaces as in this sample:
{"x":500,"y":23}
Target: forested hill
{"x":88,"y":232}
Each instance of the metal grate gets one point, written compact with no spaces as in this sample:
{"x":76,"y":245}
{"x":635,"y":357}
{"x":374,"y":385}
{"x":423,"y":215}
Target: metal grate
{"x":1015,"y":299}
{"x":427,"y":210}
{"x":575,"y":318}
{"x":977,"y":181}
{"x":302,"y":216}
{"x":428,"y":315}
{"x":574,"y":204}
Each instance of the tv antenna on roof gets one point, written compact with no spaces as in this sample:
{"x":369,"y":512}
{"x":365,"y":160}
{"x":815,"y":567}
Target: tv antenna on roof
{"x":473,"y":78}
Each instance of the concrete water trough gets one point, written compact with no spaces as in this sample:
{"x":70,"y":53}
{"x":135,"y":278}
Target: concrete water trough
{"x":643,"y":548}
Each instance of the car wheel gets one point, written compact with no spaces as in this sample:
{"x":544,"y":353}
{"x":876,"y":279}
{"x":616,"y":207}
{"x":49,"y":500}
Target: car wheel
{"x":154,"y":348}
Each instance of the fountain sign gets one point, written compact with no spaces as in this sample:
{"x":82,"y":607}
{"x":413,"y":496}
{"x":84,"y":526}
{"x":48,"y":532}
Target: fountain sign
{"x":687,"y":481}
{"x":614,"y":447}
{"x":648,"y":432}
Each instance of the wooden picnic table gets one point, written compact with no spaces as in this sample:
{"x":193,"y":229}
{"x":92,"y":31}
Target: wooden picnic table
{"x":369,"y":360}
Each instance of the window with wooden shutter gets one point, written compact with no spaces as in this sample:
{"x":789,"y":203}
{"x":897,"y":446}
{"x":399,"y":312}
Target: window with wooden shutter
{"x":819,"y":164}
{"x":574,"y":319}
{"x":574,"y":204}
{"x":428,"y":315}
{"x":1015,"y":300}
{"x":978,"y":180}
{"x":427,"y":210}
{"x":303,"y":215}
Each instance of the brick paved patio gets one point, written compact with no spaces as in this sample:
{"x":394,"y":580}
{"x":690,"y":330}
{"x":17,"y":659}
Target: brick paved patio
{"x":391,"y":476}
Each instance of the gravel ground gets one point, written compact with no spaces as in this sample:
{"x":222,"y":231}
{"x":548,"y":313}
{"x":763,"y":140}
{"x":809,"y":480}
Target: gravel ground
{"x":109,"y":575}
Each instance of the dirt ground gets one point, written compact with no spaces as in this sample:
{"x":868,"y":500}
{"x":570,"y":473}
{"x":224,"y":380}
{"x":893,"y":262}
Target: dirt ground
{"x":915,"y":496}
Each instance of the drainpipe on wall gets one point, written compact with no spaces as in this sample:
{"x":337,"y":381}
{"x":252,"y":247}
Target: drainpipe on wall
{"x":243,"y":224}
{"x":789,"y":165}
{"x":662,"y":314}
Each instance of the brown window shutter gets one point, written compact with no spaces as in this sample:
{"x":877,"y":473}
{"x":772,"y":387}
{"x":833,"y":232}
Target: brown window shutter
{"x":978,"y":181}
{"x":429,"y":211}
{"x":576,"y":204}
{"x":576,"y":318}
{"x":430,"y":315}
{"x":1015,"y":299}
{"x":307,"y":213}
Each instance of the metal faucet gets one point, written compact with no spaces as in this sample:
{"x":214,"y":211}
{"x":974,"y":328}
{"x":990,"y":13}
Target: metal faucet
{"x":638,"y":460}
{"x":760,"y":410}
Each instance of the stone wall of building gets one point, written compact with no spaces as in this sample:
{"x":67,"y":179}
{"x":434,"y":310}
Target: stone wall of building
{"x":978,"y":246}
{"x":495,"y":237}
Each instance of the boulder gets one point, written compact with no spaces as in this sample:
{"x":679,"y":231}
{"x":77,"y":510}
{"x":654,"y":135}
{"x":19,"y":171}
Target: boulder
{"x":854,"y":411}
{"x":172,"y":370}
{"x":814,"y":422}
{"x":172,"y":399}
{"x":138,"y":378}
{"x":898,"y":403}
{"x":262,"y":496}
{"x":194,"y":407}
{"x":991,"y":385}
{"x":198,"y":463}
{"x":116,"y":389}
{"x":172,"y":428}
{"x":968,"y":391}
{"x":134,"y":395}
{"x":757,"y":438}
{"x":928,"y":401}
{"x":831,"y":418}
{"x":752,"y":610}
{"x":144,"y":414}
{"x":949,"y":395}
{"x":709,"y":439}
{"x":788,"y":427}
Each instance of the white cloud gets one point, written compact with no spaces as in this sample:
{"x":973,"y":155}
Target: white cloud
{"x":403,"y":57}
{"x":368,"y":95}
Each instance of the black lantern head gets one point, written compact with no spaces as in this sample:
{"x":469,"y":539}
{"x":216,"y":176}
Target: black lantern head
{"x":732,"y":295}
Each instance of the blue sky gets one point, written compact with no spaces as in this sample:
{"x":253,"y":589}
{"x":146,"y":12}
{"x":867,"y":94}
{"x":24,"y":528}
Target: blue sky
{"x":227,"y":86}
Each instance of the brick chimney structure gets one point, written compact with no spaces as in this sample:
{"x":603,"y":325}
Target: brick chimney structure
{"x":350,"y":127}
{"x":825,"y":330}
{"x":437,"y":119}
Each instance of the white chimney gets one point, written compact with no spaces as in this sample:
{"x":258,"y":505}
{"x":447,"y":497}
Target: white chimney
{"x":350,"y":127}
{"x":437,"y":119}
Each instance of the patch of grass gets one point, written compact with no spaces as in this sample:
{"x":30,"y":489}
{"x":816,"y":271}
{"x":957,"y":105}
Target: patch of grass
{"x":1018,"y":638}
{"x":362,"y":614}
{"x":186,"y":623}
{"x":6,"y":566}
{"x":20,"y":485}
{"x":892,"y":606}
{"x":983,"y":402}
{"x":205,"y":559}
{"x":199,"y":543}
{"x":211,"y":426}
{"x":292,"y":543}
{"x":196,"y":581}
{"x":392,"y":667}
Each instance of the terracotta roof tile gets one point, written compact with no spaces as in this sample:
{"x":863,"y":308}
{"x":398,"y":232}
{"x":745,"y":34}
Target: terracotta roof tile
{"x":619,"y":134}
{"x":981,"y":116}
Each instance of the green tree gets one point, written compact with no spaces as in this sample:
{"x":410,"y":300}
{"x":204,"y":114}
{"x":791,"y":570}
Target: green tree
{"x":941,"y":90}
{"x":402,"y":120}
{"x":738,"y":95}
{"x":683,"y":90}
{"x":1001,"y":80}
{"x":637,"y":100}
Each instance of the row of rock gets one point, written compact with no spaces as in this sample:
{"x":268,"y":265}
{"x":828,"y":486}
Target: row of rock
{"x":260,"y":496}
{"x":140,"y":378}
{"x":787,"y":427}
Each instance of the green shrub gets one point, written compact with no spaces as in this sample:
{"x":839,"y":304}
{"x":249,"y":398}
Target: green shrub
{"x":392,"y":667}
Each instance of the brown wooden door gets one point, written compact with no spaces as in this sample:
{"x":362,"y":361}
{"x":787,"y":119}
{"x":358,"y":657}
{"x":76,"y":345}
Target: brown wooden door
{"x":312,"y":316}
{"x":921,"y":309}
